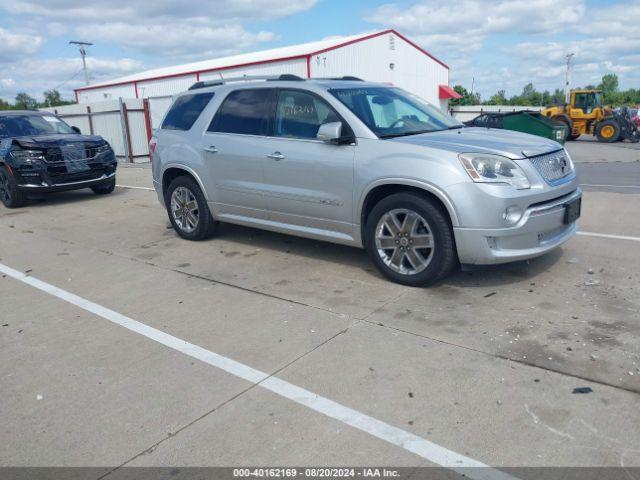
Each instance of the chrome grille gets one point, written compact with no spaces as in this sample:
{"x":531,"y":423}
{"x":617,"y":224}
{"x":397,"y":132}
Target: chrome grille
{"x":553,"y":166}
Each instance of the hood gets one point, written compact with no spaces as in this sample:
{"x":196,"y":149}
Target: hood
{"x":510,"y":144}
{"x":57,"y":140}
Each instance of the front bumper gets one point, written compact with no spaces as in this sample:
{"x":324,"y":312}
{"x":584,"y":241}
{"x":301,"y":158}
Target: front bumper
{"x":540,"y":230}
{"x":66,"y":186}
{"x":45,"y":177}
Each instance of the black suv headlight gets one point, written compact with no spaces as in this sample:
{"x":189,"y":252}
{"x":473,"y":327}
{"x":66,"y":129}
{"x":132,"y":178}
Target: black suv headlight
{"x":106,"y":148}
{"x":27,"y":156}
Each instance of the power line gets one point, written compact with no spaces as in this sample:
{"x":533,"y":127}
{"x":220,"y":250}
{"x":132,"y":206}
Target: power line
{"x":67,"y":80}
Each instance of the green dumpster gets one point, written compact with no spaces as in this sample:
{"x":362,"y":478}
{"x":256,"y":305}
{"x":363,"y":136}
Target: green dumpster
{"x":525,"y":121}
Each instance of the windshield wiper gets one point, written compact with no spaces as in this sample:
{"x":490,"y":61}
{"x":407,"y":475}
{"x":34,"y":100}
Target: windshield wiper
{"x":455,"y":127}
{"x":404,"y":134}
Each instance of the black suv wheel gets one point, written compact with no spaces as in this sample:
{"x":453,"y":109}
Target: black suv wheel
{"x":10,"y":196}
{"x":188,"y":209}
{"x":410,"y":240}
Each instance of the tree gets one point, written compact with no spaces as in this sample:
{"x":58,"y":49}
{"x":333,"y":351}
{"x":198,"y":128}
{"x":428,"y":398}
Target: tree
{"x":498,"y":98}
{"x":4,"y":105}
{"x":609,"y":87}
{"x":467,"y":97}
{"x":609,"y":83}
{"x":52,"y":98}
{"x":24,"y":101}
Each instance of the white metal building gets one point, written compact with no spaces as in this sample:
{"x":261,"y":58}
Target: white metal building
{"x":383,"y":56}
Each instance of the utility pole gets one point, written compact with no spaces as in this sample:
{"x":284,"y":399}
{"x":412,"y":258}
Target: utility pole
{"x":567,"y":86}
{"x":83,"y":54}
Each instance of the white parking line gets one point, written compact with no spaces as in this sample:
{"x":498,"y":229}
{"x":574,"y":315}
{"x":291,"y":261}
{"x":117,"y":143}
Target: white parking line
{"x":377,"y":428}
{"x":136,"y":188}
{"x":606,"y":235}
{"x":609,"y":186}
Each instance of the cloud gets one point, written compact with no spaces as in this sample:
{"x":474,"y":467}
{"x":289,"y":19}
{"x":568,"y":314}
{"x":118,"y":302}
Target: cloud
{"x":459,"y":24}
{"x":162,"y":27}
{"x":15,"y":44}
{"x":63,"y":74}
{"x":177,"y":38}
{"x":75,"y":10}
{"x":507,"y":44}
{"x":161,"y":31}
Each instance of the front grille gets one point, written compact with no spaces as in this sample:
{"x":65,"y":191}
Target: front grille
{"x":57,"y":155}
{"x":553,"y":166}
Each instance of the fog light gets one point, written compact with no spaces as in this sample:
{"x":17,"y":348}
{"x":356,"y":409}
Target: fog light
{"x":512,"y":215}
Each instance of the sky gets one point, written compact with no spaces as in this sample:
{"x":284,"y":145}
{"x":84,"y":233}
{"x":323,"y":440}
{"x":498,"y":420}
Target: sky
{"x":494,"y":45}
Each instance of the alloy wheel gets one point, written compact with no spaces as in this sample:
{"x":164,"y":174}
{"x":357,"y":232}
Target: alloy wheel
{"x":184,"y":209}
{"x":404,"y":241}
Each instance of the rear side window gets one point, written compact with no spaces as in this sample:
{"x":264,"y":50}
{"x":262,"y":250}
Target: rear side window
{"x":185,"y":111}
{"x":243,"y":111}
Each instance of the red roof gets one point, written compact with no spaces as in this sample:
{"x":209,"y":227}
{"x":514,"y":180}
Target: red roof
{"x":445,"y":91}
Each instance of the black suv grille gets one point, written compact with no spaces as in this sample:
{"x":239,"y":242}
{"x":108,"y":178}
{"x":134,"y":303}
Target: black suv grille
{"x":57,"y":154}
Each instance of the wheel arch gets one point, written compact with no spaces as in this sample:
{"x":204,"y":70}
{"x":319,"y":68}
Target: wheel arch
{"x":173,"y":171}
{"x":383,"y":188}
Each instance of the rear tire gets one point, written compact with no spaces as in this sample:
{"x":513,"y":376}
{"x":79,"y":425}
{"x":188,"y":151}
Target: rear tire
{"x":410,"y":240}
{"x":608,"y":131}
{"x":188,"y":210}
{"x":105,"y":188}
{"x":10,"y":195}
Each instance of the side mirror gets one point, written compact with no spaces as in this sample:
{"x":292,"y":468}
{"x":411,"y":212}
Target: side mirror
{"x":76,"y":129}
{"x":330,"y":132}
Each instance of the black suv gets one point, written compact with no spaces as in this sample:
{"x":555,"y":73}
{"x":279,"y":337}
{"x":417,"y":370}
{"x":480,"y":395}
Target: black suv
{"x":40,"y":153}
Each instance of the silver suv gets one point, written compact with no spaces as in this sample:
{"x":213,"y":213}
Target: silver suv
{"x":362,"y":164}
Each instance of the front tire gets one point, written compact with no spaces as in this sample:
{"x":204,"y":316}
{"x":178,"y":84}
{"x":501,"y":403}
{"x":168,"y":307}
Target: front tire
{"x":608,"y":131}
{"x":105,"y":188}
{"x":188,"y":210}
{"x":10,"y":195}
{"x":410,"y":240}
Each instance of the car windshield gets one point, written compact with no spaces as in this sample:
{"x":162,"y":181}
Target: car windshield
{"x":26,"y":125}
{"x":392,"y":112}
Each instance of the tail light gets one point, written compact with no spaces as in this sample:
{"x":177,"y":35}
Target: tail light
{"x":152,"y":146}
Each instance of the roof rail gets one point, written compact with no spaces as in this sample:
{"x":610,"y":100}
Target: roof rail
{"x":247,"y":78}
{"x":346,"y":77}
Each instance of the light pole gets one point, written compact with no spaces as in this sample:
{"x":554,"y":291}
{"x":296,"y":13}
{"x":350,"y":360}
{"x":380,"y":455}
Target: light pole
{"x":567,"y":85}
{"x":83,"y":54}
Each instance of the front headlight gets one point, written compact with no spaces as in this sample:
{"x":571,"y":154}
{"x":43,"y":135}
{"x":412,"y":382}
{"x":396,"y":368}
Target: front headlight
{"x":27,"y":156}
{"x":489,"y":168}
{"x":103,"y":149}
{"x":571,"y":166}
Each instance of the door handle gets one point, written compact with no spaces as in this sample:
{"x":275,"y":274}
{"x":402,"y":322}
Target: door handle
{"x":211,"y":149}
{"x":275,"y":156}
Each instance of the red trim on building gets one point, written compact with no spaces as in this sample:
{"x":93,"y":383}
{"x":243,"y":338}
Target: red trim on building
{"x":445,"y":91}
{"x":184,"y":74}
{"x":197,"y":76}
{"x":419,"y":48}
{"x":306,"y":56}
{"x":135,"y":86}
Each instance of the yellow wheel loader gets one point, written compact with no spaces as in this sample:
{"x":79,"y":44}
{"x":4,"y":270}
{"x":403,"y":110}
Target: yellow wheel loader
{"x":585,"y":115}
